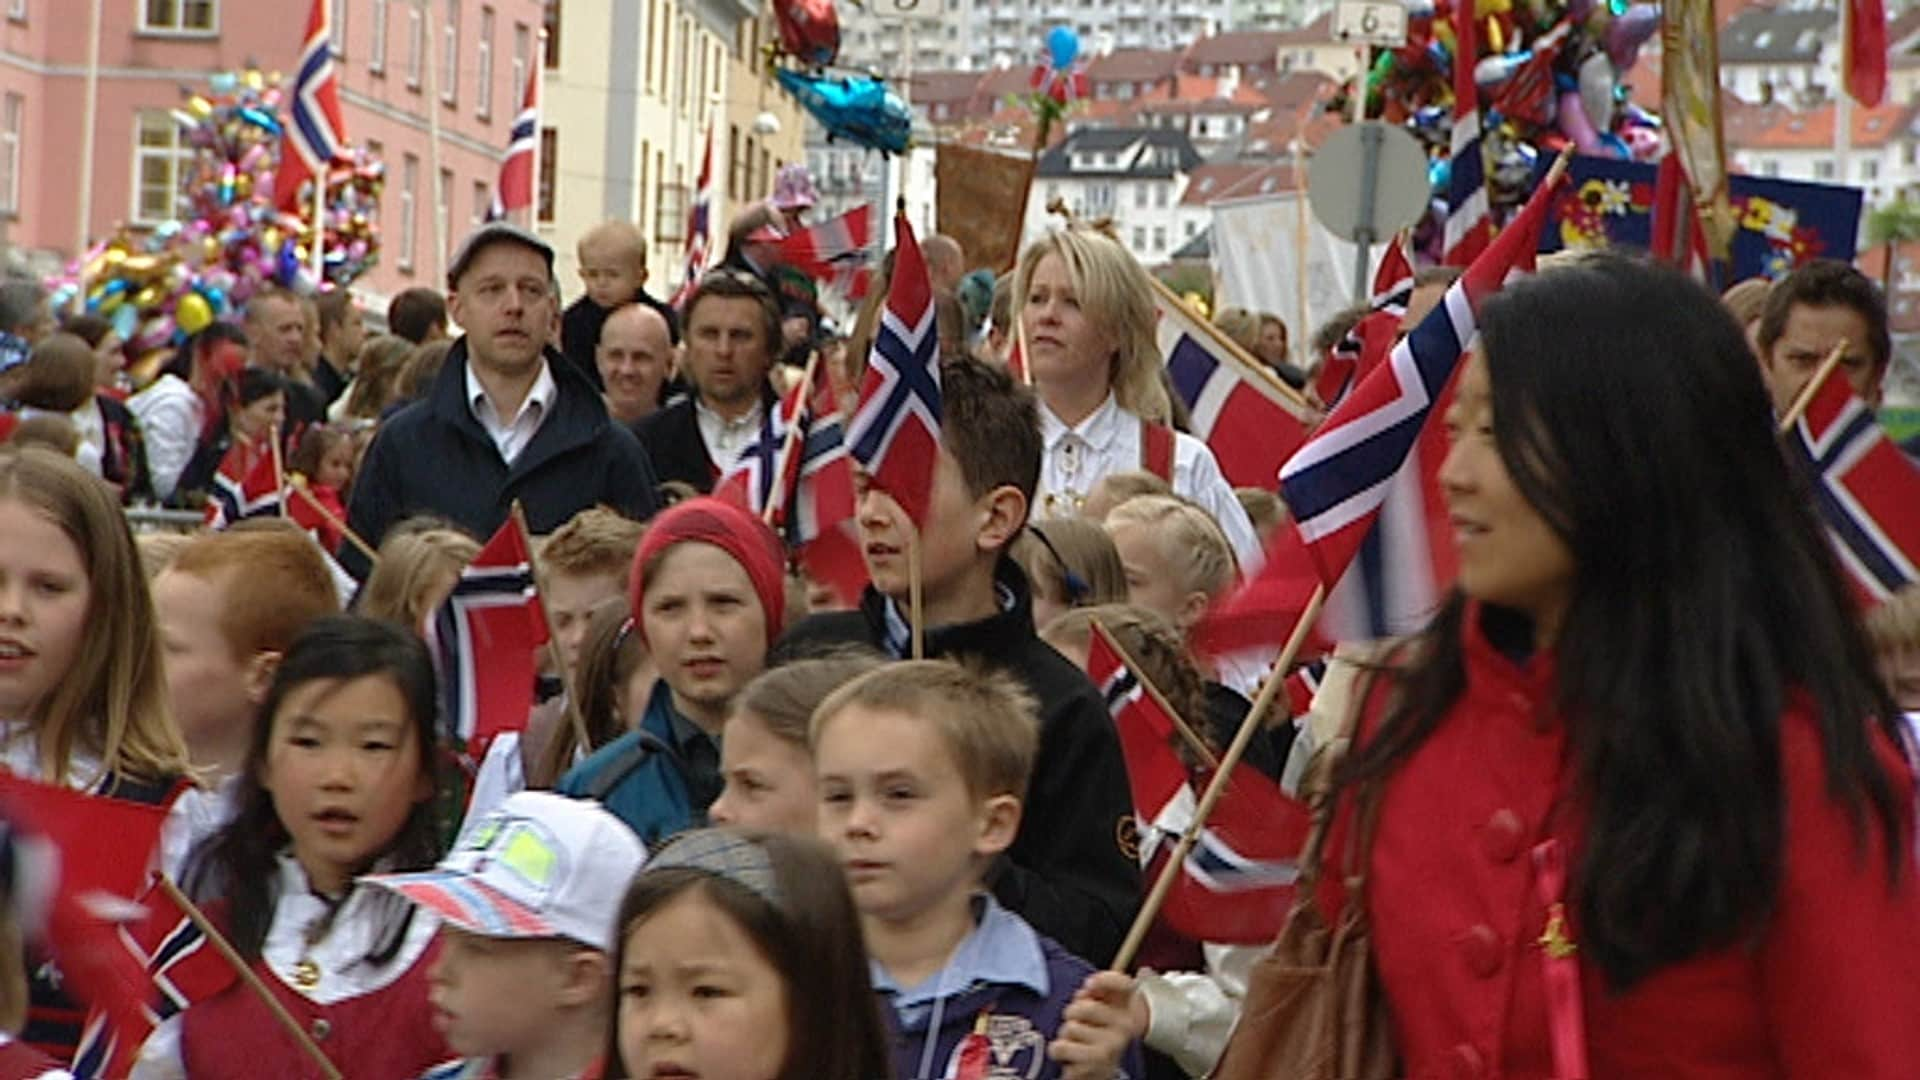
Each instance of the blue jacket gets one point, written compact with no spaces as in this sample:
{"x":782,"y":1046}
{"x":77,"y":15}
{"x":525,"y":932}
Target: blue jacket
{"x":1007,"y":984}
{"x":639,"y":777}
{"x":433,"y":457}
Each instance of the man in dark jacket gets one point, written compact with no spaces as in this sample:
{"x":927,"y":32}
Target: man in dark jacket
{"x":613,"y":266}
{"x":507,"y":419}
{"x":1066,"y":873}
{"x":733,"y":327}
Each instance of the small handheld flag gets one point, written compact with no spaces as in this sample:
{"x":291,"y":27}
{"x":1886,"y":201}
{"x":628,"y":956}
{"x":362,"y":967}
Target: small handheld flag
{"x":895,"y":431}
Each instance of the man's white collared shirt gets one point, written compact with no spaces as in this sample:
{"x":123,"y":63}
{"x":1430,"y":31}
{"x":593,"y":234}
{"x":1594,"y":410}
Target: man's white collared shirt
{"x":726,"y":438}
{"x":512,"y":437}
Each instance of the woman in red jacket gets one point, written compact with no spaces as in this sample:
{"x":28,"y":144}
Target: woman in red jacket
{"x":1650,"y":675}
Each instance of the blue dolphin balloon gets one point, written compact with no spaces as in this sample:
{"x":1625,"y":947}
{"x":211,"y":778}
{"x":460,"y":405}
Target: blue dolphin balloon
{"x":857,"y":108}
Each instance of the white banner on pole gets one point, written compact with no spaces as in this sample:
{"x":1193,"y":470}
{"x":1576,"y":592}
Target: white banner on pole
{"x":1256,"y":255}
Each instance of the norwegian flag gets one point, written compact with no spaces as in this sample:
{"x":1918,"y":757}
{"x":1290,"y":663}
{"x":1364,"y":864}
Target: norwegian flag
{"x":1529,"y":95}
{"x":895,"y":431}
{"x":1469,"y":217}
{"x":94,"y":852}
{"x":316,"y":137}
{"x":1372,"y":460}
{"x":1866,"y":491}
{"x":1239,"y":413}
{"x":513,"y":193}
{"x":837,"y":252}
{"x":483,"y":640}
{"x":1372,"y":337}
{"x":812,"y":490}
{"x":255,"y":492}
{"x":697,"y":226}
{"x":174,"y":965}
{"x":1672,"y":211}
{"x":1237,"y":879}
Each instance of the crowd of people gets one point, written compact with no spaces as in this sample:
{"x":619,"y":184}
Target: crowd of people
{"x":746,"y":836}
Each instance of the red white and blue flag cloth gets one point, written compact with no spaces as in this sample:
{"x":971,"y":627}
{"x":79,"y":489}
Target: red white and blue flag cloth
{"x":1237,"y":880}
{"x":483,"y":639}
{"x":316,"y":136}
{"x":838,"y":252}
{"x":513,"y":192}
{"x":170,"y":964}
{"x":698,"y":224}
{"x":895,"y":430}
{"x":241,"y":490}
{"x":1361,"y":491}
{"x":1373,"y":337}
{"x":1866,"y":491}
{"x":810,"y":489}
{"x":1243,"y":416}
{"x":1469,"y":224}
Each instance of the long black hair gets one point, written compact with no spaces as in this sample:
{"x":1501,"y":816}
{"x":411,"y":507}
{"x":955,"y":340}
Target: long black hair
{"x":1630,"y":414}
{"x":240,"y":862}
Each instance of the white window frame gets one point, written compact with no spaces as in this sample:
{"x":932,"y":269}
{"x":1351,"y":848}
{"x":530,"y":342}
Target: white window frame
{"x":177,"y":151}
{"x":13,"y":122}
{"x":377,"y":53}
{"x":483,"y":67}
{"x":443,"y":204}
{"x":416,"y":45}
{"x":337,"y":27}
{"x":409,"y":216}
{"x":522,"y":55}
{"x":179,"y":27}
{"x":449,"y":73}
{"x":17,"y":10}
{"x":482,"y":201}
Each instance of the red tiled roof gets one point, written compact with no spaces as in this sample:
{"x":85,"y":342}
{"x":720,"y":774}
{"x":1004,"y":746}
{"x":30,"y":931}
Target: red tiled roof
{"x":1133,"y":65}
{"x":1294,"y":90}
{"x":1273,"y":137}
{"x":1244,"y":47}
{"x":1317,"y":32}
{"x":1198,"y":93}
{"x":938,"y":87}
{"x":1780,"y":128}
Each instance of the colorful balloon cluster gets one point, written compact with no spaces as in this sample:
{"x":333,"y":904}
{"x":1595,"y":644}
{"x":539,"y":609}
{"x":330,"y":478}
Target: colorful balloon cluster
{"x":1549,"y":73}
{"x":228,"y":240}
{"x":1057,"y":82}
{"x":854,"y":107}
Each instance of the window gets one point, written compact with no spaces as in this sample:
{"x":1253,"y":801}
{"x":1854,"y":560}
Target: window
{"x":670,"y":213}
{"x":1869,"y":170}
{"x":551,"y":27}
{"x":1159,"y":239}
{"x":337,"y":27}
{"x":680,"y":64}
{"x":160,"y":161}
{"x":1823,"y":170}
{"x":646,"y":156}
{"x":482,"y":199}
{"x":549,"y":162}
{"x":17,"y":10}
{"x":1190,"y":229}
{"x":12,"y":118}
{"x":180,"y":16}
{"x":449,"y":73}
{"x":483,"y":67}
{"x":1160,"y":196}
{"x":416,"y":45}
{"x":1139,"y":239}
{"x":735,"y":163}
{"x":518,"y":87}
{"x":377,"y":54}
{"x":409,"y":180}
{"x":1770,"y":167}
{"x":1140,"y":196}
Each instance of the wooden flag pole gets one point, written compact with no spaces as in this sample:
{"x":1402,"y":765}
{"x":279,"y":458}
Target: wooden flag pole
{"x":1808,"y":392}
{"x":1020,"y":342}
{"x":1170,"y":872}
{"x":279,"y":472}
{"x":333,"y":521}
{"x":1193,"y":740}
{"x":916,"y":617}
{"x":777,"y":491}
{"x":248,"y":976}
{"x":554,"y":656}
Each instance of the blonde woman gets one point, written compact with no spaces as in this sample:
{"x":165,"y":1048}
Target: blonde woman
{"x":1088,"y":312}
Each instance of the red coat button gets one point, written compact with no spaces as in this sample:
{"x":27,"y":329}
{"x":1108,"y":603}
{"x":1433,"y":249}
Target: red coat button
{"x":1482,"y":948}
{"x":1502,"y":835}
{"x":1467,"y":1061}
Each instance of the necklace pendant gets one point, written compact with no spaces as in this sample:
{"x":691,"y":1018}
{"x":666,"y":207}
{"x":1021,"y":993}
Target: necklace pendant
{"x":306,"y":974}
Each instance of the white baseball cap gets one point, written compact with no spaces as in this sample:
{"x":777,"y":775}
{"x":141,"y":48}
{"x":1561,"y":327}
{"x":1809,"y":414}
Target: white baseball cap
{"x":541,"y":865}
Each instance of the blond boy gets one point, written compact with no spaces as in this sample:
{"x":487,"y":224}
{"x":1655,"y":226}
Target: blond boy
{"x":921,"y":768}
{"x":613,"y":267}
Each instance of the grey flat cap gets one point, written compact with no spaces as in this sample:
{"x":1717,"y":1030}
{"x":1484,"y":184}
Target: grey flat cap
{"x":484,"y":237}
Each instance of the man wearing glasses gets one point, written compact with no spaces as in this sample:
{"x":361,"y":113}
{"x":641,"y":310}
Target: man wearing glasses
{"x":509,"y":418}
{"x":732,"y":326}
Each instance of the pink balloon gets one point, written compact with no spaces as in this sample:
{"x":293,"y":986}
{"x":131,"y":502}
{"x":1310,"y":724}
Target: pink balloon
{"x":1575,"y":124}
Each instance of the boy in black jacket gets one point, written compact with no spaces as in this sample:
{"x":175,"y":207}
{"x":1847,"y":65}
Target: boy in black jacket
{"x":1066,"y":872}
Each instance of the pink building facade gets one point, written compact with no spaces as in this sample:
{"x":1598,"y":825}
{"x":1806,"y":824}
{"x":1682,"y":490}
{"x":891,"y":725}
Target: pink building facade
{"x":405,"y":67}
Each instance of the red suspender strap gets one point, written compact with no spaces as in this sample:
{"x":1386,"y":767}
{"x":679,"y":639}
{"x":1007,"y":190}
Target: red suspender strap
{"x":1560,"y":966}
{"x":1156,"y":449}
